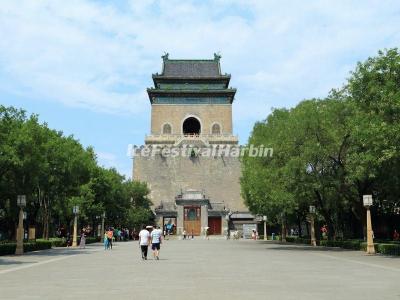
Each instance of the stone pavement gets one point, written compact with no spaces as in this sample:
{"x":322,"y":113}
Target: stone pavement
{"x":200,"y":269}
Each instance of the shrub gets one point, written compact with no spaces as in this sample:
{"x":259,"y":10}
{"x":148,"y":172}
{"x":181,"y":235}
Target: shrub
{"x":291,"y":239}
{"x":352,"y":244}
{"x":363,"y":246}
{"x":298,"y":240}
{"x":58,"y":242}
{"x":91,"y":240}
{"x":388,"y":249}
{"x":37,"y":245}
{"x":9,"y":248}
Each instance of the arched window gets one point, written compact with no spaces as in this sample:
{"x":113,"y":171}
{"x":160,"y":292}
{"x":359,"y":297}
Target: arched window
{"x":191,"y":126}
{"x":216,"y":129}
{"x":167,"y":129}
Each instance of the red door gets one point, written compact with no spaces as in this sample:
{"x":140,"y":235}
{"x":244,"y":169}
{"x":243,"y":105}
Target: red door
{"x":215,"y":225}
{"x":192,"y":220}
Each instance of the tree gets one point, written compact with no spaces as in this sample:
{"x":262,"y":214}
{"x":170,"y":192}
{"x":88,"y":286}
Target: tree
{"x":329,"y":152}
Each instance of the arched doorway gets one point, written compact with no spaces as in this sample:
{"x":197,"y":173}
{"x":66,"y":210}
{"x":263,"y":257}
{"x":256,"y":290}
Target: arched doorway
{"x":191,"y":126}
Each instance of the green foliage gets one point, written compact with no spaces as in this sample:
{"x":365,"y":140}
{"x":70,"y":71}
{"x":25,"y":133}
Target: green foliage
{"x":388,"y":249}
{"x":382,"y":248}
{"x":329,"y":152}
{"x":92,"y":240}
{"x":56,"y":172}
{"x":56,"y":242}
{"x":9,"y":248}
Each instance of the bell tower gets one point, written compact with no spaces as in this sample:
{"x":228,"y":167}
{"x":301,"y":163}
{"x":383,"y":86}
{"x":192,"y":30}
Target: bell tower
{"x":191,"y":105}
{"x":191,"y":99}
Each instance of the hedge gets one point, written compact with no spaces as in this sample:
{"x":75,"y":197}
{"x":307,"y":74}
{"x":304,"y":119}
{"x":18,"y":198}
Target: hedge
{"x":388,"y":248}
{"x":91,"y":240}
{"x":9,"y":248}
{"x":55,"y":242}
{"x":62,"y":242}
{"x":297,"y":240}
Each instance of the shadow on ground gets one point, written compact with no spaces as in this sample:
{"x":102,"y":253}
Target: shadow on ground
{"x":4,"y":262}
{"x":11,"y":259}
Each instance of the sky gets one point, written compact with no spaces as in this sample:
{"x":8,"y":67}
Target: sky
{"x":84,"y":66}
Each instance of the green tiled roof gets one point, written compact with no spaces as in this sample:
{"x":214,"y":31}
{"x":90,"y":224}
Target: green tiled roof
{"x":191,"y":68}
{"x":186,"y":81}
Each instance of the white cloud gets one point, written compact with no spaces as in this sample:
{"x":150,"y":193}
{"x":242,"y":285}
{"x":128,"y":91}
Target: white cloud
{"x":100,"y":55}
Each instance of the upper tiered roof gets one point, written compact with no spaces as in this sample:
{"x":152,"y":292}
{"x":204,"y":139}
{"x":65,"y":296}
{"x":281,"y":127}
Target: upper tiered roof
{"x":191,"y":68}
{"x":191,"y":79}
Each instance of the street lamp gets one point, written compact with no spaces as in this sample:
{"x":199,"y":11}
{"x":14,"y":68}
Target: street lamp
{"x":265,"y":228}
{"x":21,"y":202}
{"x":75,"y":211}
{"x":312,"y":226}
{"x":367,"y":200}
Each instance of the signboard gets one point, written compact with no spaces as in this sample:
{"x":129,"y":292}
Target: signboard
{"x":32,"y":233}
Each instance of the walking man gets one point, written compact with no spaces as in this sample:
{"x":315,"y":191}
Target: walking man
{"x":156,"y":235}
{"x":144,"y":237}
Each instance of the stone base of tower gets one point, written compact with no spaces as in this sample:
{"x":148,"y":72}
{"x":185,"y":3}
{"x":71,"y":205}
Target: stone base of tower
{"x":193,"y":193}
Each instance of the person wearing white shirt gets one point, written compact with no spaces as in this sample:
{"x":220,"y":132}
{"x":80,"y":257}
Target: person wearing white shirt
{"x":144,"y":238}
{"x":156,"y":236}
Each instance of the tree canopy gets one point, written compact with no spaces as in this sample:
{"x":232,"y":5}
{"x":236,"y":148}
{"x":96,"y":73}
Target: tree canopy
{"x":329,"y":152}
{"x":56,"y":172}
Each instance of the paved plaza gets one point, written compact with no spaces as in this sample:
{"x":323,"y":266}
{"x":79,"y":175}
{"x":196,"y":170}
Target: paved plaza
{"x":200,"y":269}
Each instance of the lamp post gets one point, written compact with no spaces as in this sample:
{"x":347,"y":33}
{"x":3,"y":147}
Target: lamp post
{"x":75,"y":211}
{"x":21,"y":202}
{"x":103,"y":216}
{"x":312,"y":226}
{"x":367,"y":200}
{"x":265,"y":228}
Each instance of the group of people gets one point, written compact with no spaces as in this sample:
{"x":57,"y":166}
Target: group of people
{"x":152,"y":237}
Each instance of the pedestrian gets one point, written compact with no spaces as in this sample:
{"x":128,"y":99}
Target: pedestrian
{"x":192,"y":235}
{"x":156,"y":240}
{"x":184,"y":234}
{"x":82,"y":243}
{"x":396,"y":235}
{"x":324,"y":231}
{"x":105,"y":241}
{"x":69,"y":240}
{"x":110,"y":236}
{"x":144,"y":237}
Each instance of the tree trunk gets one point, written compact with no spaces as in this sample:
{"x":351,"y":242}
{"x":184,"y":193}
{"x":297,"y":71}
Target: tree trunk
{"x":327,"y":216}
{"x":283,"y":232}
{"x":299,"y":226}
{"x":46,"y":219}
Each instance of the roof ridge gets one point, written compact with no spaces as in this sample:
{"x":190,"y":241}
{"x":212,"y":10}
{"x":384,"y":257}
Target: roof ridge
{"x":186,"y":60}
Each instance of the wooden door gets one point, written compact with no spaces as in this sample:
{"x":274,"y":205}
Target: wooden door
{"x":214,"y":224}
{"x":192,"y":220}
